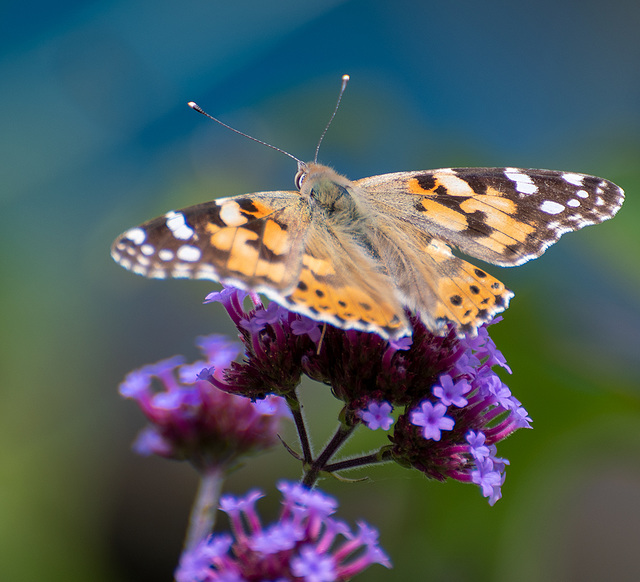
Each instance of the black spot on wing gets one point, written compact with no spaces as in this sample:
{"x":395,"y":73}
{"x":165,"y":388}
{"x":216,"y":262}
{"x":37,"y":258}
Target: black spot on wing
{"x":247,"y":205}
{"x":478,"y":226}
{"x":426,"y":181}
{"x":480,"y":180}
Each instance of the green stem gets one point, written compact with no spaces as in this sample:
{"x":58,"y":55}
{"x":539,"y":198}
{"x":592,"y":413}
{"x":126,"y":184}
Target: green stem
{"x":205,"y":505}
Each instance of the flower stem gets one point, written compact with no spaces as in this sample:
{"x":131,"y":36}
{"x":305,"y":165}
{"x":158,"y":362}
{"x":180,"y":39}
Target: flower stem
{"x":372,"y":459}
{"x":341,"y":435}
{"x":296,"y":412}
{"x":205,"y":505}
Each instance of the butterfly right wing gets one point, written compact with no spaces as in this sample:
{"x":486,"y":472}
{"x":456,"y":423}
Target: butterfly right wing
{"x":254,"y":241}
{"x":504,"y":216}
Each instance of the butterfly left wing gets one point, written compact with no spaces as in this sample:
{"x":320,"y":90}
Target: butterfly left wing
{"x":269,"y":242}
{"x":252,"y":242}
{"x":504,"y":216}
{"x":342,"y":285}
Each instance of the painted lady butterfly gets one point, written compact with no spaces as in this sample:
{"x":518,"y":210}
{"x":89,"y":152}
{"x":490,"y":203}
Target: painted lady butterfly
{"x":354,"y":254}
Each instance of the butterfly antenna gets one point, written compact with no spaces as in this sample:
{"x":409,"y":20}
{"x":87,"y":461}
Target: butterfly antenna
{"x":199,"y":109}
{"x":345,"y":80}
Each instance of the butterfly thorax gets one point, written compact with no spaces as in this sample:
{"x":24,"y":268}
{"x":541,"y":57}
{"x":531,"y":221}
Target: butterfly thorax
{"x":331,"y":194}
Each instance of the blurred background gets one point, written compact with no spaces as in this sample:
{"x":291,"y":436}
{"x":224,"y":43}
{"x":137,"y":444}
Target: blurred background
{"x":96,"y":137}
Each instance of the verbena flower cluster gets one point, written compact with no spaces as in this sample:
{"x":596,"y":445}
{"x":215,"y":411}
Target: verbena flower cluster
{"x":306,"y":543}
{"x":453,"y":407}
{"x":192,"y":420}
{"x":437,"y":398}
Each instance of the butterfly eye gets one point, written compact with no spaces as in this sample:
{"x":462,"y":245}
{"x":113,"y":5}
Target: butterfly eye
{"x":300,"y":176}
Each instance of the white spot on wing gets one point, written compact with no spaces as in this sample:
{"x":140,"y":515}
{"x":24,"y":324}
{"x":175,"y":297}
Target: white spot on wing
{"x":177,"y":224}
{"x":524,"y":183}
{"x":136,"y":235}
{"x":189,"y":253}
{"x":551,"y":207}
{"x":573,"y":203}
{"x":575,"y":179}
{"x":139,"y":269}
{"x":206,"y":272}
{"x":157,"y":274}
{"x":181,"y":271}
{"x":165,"y":255}
{"x":147,"y":249}
{"x":230,"y":214}
{"x":582,"y":194}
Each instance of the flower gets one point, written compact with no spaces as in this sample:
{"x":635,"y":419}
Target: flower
{"x":275,"y":341}
{"x":191,"y":419}
{"x":450,"y":392}
{"x":444,"y":387}
{"x":475,"y":422}
{"x":377,"y":416}
{"x":306,"y":543}
{"x":432,"y":419}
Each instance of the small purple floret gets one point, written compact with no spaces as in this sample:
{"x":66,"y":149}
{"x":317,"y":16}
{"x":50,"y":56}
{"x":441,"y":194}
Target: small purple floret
{"x":377,"y":415}
{"x":432,"y":419}
{"x":450,"y":392}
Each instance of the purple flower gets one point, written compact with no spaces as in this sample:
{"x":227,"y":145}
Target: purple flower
{"x":196,"y":565}
{"x":443,"y":386}
{"x":377,"y":416}
{"x":450,"y":392}
{"x":306,"y":325}
{"x":479,"y":451}
{"x":432,"y":419}
{"x":482,"y":411}
{"x":191,"y":419}
{"x":275,"y":342}
{"x":305,"y":543}
{"x":489,"y":475}
{"x":313,"y":566}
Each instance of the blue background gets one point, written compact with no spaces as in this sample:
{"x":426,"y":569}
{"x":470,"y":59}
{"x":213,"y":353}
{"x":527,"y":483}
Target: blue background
{"x":96,"y":137}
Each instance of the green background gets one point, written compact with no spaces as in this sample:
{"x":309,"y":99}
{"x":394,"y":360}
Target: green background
{"x":96,"y":137}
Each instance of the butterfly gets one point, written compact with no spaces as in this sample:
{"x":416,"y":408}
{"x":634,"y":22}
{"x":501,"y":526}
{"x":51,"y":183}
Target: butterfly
{"x":355,"y":254}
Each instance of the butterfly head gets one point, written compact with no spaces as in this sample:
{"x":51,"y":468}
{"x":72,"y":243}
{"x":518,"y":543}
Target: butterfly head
{"x":321,"y":184}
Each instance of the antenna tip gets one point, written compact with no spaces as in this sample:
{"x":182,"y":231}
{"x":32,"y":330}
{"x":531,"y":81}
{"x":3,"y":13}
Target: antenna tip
{"x":195,"y":107}
{"x":345,"y":78}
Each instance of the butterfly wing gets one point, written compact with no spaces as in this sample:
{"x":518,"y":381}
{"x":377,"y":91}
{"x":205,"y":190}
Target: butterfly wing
{"x":268,"y":242}
{"x":504,"y":216}
{"x":341,"y":284}
{"x":252,"y":242}
{"x":429,"y":279}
